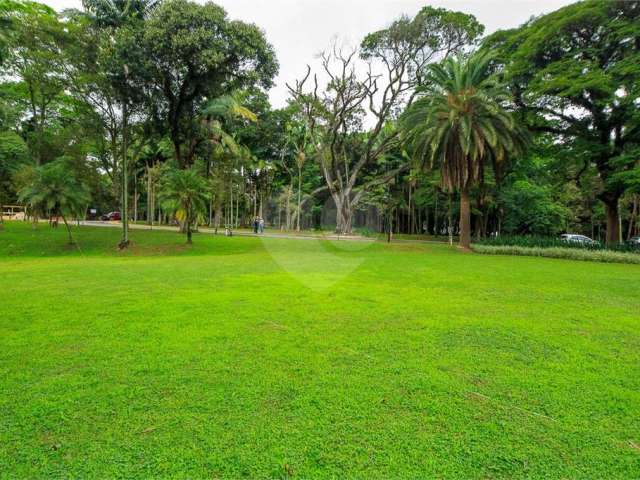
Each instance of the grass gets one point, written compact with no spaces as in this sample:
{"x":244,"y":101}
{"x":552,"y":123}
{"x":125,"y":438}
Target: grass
{"x":246,"y":357}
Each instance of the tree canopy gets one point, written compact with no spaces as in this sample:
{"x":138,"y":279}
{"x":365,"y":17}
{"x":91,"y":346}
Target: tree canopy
{"x":575,"y":73}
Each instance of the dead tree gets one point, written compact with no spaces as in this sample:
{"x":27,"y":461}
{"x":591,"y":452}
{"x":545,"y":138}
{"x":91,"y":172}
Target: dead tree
{"x":373,"y":83}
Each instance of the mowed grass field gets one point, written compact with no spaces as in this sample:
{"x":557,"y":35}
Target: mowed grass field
{"x":274,"y":358}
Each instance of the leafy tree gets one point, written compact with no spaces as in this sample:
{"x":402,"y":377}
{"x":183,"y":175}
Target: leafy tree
{"x":116,"y":13}
{"x":183,"y":192}
{"x":54,"y":191}
{"x":187,"y":53}
{"x":101,"y":78}
{"x":575,"y":73}
{"x":531,"y":209}
{"x":14,"y":154}
{"x":7,"y":27}
{"x":34,"y":56}
{"x":461,"y":123}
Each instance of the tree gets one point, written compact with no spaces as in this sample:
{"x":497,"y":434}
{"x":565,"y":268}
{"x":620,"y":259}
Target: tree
{"x":575,"y":73}
{"x":531,"y":209}
{"x":14,"y":154}
{"x":116,"y":13}
{"x":101,"y":77}
{"x":54,"y":191}
{"x":462,"y":124}
{"x":7,"y":26}
{"x":183,"y":192}
{"x":34,"y":56}
{"x":189,"y":53}
{"x":352,"y":162}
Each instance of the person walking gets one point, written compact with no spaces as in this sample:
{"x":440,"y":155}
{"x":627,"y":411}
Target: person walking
{"x":261,"y":225}
{"x":256,"y":224}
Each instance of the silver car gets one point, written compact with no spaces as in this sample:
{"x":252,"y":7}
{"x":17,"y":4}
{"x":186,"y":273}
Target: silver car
{"x":635,"y":241}
{"x":576,"y":238}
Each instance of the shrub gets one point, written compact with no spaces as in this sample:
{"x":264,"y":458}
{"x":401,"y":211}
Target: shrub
{"x":534,"y":241}
{"x":365,"y":232}
{"x":601,"y":255}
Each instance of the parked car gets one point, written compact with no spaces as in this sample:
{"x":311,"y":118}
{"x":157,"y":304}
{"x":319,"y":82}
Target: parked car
{"x":634,"y":241}
{"x":111,"y":217}
{"x":576,"y":238}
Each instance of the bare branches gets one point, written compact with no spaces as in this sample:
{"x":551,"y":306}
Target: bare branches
{"x":373,"y":91}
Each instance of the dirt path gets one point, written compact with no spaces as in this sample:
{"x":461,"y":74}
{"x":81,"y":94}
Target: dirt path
{"x":211,"y":231}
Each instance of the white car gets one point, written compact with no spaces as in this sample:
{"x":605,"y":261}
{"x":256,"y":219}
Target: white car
{"x":575,"y":238}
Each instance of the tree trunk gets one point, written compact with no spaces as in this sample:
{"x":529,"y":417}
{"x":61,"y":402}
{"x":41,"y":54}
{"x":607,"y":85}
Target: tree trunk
{"x":68,"y":229}
{"x":124,"y":243}
{"x":135,"y":198}
{"x":288,"y":207}
{"x":344,"y":213}
{"x":299,"y":199}
{"x":218,"y":216}
{"x":210,"y":211}
{"x":613,"y":232}
{"x":465,"y":220}
{"x":435,"y":217}
{"x":633,"y":220}
{"x":426,"y":221}
{"x":189,"y":232}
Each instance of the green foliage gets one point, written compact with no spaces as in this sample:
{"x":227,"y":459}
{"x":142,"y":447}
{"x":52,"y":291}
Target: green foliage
{"x":115,"y":13}
{"x":14,"y":155}
{"x":35,"y":57}
{"x":576,"y":74}
{"x":54,"y":191}
{"x":432,"y":33}
{"x":541,"y":241}
{"x":14,"y":152}
{"x":209,"y":56}
{"x":582,"y":254}
{"x":184,"y":193}
{"x":530,"y":209}
{"x":460,"y":123}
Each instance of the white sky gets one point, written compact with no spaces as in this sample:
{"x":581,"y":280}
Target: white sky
{"x":299,"y":29}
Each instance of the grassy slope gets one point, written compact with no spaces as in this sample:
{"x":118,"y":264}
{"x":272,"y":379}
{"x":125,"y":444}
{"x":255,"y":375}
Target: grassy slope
{"x":275,"y":358}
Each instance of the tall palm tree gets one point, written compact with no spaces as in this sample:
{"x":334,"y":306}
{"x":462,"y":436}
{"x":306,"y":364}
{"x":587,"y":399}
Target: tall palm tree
{"x":184,"y":193}
{"x":461,"y":123}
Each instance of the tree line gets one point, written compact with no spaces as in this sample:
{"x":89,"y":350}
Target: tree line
{"x":160,"y":109}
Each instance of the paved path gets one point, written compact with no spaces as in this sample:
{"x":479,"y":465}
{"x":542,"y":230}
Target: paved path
{"x":211,"y":231}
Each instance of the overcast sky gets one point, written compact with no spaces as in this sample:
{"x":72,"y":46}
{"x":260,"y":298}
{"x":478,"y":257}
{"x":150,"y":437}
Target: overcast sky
{"x":299,"y":29}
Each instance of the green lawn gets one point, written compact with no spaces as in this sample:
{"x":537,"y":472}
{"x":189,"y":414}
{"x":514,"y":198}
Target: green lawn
{"x":303,"y":358}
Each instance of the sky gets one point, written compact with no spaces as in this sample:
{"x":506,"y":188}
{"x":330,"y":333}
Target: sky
{"x":300,"y":29}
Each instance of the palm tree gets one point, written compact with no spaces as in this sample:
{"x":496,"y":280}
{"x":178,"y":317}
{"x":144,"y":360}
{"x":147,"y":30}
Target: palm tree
{"x":184,"y":193}
{"x":55,"y":192}
{"x":460,"y":122}
{"x":115,"y":13}
{"x":219,"y":110}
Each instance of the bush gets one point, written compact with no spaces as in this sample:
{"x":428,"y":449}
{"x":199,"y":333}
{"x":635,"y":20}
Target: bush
{"x":601,"y":255}
{"x":365,"y":232}
{"x":531,"y":208}
{"x":533,"y":241}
